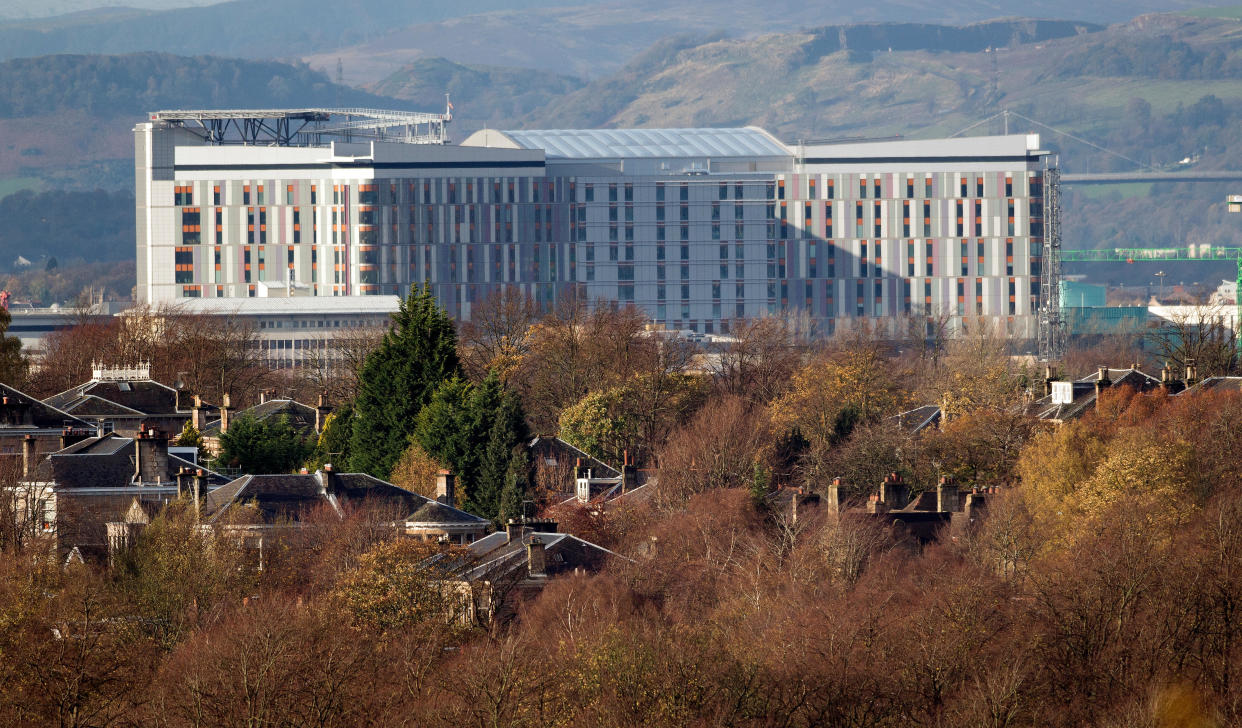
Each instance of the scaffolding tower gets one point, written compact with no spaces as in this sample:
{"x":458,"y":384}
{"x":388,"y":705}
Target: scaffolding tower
{"x":1051,"y":320}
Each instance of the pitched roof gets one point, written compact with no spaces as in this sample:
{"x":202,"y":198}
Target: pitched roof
{"x":294,"y":496}
{"x":107,"y":461}
{"x":919,"y":418}
{"x":143,"y":396}
{"x":1083,"y":393}
{"x":28,"y":413}
{"x":1216,"y":384}
{"x":498,"y":557}
{"x":301,"y":416}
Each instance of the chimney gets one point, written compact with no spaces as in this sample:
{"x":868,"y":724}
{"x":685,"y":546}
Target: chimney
{"x":225,"y":409}
{"x":838,"y":492}
{"x":262,"y":396}
{"x":150,"y":456}
{"x":1166,"y":377}
{"x":1048,"y":380}
{"x":331,"y":481}
{"x":322,"y":410}
{"x":894,"y":492}
{"x":184,"y":480}
{"x":72,"y":436}
{"x":196,"y":414}
{"x":444,"y":488}
{"x":514,"y":529}
{"x":535,"y":557}
{"x":976,"y":502}
{"x":947,"y":497}
{"x":28,"y":456}
{"x":200,"y":489}
{"x":875,"y":505}
{"x":1192,"y":373}
{"x":629,"y":473}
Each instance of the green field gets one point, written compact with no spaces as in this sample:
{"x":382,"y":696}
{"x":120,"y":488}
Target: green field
{"x":17,"y":184}
{"x":1228,"y":11}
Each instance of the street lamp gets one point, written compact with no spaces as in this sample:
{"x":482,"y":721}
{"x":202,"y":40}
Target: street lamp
{"x":1160,"y":274}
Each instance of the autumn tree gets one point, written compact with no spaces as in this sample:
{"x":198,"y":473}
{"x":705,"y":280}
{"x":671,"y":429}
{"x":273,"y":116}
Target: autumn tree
{"x":498,"y":335}
{"x":758,"y":363}
{"x":717,"y":449}
{"x":829,"y":396}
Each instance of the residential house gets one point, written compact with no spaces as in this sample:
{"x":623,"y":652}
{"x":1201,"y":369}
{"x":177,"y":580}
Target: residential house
{"x":30,"y":429}
{"x":77,"y":490}
{"x":501,"y":569}
{"x":306,"y":420}
{"x":124,"y":399}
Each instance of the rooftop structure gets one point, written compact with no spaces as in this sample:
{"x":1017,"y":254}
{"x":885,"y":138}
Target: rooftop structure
{"x":291,"y":127}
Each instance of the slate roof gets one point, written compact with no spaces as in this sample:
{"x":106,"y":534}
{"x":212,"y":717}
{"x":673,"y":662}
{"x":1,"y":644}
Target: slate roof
{"x":919,"y":418}
{"x":291,"y":497}
{"x":107,"y":462}
{"x":560,"y":448}
{"x":1084,"y":394}
{"x":301,"y":416}
{"x":143,"y":396}
{"x":496,"y":557}
{"x":35,"y":415}
{"x":1216,"y":384}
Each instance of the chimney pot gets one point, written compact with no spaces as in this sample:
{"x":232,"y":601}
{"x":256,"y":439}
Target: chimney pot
{"x":445,"y":488}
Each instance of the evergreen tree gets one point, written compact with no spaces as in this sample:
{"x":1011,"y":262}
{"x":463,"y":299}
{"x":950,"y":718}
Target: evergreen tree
{"x":447,"y":430}
{"x":398,"y":379}
{"x":333,"y":443}
{"x":12,"y":363}
{"x":259,"y":447}
{"x":477,"y":431}
{"x":496,"y":481}
{"x":191,"y":437}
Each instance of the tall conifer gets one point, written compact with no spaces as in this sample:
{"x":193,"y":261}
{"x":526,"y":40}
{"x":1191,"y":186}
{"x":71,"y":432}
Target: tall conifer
{"x":398,"y":379}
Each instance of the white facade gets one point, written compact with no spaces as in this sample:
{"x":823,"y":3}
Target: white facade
{"x":699,"y":227}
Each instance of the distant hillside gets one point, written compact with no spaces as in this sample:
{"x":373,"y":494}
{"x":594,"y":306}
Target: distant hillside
{"x":481,"y":94}
{"x":130,"y":85}
{"x":65,"y":121}
{"x":268,"y":29}
{"x":593,"y":40}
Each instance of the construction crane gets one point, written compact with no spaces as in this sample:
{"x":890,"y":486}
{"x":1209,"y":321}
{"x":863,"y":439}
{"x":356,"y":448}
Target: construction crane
{"x":1191,"y":253}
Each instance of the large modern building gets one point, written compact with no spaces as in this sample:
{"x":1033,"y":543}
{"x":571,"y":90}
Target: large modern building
{"x":700,"y":227}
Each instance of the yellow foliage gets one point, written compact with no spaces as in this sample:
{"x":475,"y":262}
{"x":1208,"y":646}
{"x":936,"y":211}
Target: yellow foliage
{"x":820,"y":391}
{"x":416,"y":471}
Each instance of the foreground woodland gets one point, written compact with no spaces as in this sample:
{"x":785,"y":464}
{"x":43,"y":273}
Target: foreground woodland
{"x":1102,"y":588}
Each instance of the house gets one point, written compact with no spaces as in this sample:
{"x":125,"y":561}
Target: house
{"x":261,"y":507}
{"x":921,"y":518}
{"x":556,"y":466}
{"x":1068,"y":400}
{"x":306,"y":420}
{"x":76,"y":491}
{"x":123,"y":399}
{"x":497,"y":571}
{"x":29,"y":428}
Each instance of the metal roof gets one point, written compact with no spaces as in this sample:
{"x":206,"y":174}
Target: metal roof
{"x":630,"y":143}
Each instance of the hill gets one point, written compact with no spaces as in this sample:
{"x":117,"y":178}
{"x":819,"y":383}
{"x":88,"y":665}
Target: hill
{"x":65,"y":121}
{"x":489,"y":95}
{"x":269,"y":29}
{"x":594,"y":40}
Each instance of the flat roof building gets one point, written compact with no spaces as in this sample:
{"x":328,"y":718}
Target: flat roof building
{"x":699,"y":227}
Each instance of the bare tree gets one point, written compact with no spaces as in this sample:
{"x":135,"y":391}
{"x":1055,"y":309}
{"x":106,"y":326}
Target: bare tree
{"x":758,"y":363}
{"x":1203,"y":335}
